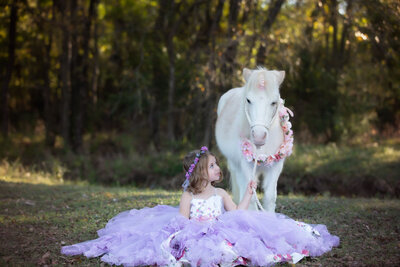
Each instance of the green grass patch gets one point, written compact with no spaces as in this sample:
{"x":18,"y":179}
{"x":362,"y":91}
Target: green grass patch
{"x":37,"y":218}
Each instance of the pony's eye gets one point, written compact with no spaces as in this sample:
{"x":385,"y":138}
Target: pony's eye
{"x":273,"y":103}
{"x":248,"y":101}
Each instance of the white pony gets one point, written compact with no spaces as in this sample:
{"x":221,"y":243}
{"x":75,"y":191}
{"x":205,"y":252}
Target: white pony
{"x":248,"y":128}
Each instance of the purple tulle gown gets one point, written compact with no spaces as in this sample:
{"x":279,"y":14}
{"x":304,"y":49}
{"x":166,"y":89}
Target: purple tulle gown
{"x":161,"y":236}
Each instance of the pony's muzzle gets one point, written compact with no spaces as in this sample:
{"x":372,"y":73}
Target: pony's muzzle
{"x":259,"y":135}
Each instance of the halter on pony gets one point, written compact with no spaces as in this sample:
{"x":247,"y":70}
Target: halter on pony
{"x":253,"y":124}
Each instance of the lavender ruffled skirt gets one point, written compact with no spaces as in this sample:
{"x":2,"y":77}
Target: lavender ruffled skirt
{"x":161,"y":236}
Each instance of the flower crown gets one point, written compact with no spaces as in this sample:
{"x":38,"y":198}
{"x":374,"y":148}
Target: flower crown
{"x":192,"y":166}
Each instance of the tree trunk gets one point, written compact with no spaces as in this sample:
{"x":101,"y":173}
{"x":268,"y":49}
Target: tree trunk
{"x":176,"y":18}
{"x":157,"y":86}
{"x":49,"y":112}
{"x":9,"y":69}
{"x":171,"y":88}
{"x":348,"y":21}
{"x":81,"y":69}
{"x":273,"y":11}
{"x":171,"y":80}
{"x":211,"y":79}
{"x":77,"y":80}
{"x":95,"y":63}
{"x":65,"y":68}
{"x":228,"y":64}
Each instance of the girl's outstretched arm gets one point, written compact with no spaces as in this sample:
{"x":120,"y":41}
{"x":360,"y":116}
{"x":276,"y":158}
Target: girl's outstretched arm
{"x":244,"y":204}
{"x":184,"y":206}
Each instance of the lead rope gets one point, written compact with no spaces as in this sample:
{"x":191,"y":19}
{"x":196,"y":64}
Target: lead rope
{"x":255,"y":197}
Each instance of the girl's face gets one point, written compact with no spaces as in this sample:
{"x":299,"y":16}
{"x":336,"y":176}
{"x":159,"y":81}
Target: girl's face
{"x":213,"y":170}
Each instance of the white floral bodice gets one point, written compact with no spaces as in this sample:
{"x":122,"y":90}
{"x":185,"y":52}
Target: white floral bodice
{"x":206,"y":209}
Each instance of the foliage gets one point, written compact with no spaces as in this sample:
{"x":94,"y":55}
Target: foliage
{"x":120,"y":159}
{"x":162,"y":65}
{"x":368,"y":170}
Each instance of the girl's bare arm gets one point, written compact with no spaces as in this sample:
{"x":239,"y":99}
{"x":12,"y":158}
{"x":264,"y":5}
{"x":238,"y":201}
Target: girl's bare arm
{"x":244,"y":204}
{"x":184,"y":206}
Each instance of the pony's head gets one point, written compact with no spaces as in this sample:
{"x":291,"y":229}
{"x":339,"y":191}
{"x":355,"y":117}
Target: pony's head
{"x":261,"y":101}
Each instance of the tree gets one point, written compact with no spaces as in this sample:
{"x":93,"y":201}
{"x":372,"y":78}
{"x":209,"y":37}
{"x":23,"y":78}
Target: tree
{"x":9,"y":67}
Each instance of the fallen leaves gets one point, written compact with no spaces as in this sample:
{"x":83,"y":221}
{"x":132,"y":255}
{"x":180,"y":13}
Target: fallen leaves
{"x":45,"y":259}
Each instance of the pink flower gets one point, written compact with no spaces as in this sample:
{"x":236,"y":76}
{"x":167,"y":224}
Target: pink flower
{"x":246,"y":145}
{"x":247,"y":152}
{"x":305,"y":252}
{"x":249,"y":157}
{"x":262,"y":157}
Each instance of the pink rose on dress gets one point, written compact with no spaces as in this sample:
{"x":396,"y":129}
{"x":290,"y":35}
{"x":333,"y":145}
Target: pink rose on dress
{"x":305,"y":252}
{"x":229,"y":243}
{"x":177,"y":248}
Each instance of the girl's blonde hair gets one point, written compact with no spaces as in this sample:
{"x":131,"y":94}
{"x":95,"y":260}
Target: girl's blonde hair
{"x":199,"y":177}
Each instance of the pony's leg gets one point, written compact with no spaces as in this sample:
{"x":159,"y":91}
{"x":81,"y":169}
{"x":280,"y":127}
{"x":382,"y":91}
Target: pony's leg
{"x":234,"y":182}
{"x":245,"y":177}
{"x":270,"y":182}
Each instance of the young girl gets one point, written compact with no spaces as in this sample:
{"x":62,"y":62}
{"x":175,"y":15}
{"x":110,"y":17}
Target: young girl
{"x":201,"y":233}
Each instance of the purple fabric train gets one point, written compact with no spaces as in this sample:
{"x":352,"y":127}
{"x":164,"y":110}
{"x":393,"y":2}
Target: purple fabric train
{"x":161,"y":236}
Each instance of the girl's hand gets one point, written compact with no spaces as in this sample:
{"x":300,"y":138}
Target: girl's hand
{"x":250,"y":186}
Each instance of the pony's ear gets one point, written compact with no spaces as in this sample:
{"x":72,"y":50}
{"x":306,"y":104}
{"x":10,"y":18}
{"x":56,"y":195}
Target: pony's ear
{"x":280,"y":75}
{"x":246,"y":74}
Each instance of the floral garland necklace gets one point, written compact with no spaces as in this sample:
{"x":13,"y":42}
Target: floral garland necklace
{"x":284,"y":150}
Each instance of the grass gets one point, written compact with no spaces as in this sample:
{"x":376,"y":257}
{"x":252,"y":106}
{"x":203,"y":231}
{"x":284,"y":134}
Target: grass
{"x":40,"y":214}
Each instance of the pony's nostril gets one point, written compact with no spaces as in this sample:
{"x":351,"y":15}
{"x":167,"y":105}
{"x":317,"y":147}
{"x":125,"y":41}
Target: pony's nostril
{"x":252,"y":133}
{"x":265,"y":134}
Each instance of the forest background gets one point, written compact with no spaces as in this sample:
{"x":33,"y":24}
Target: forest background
{"x":116,"y":92}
